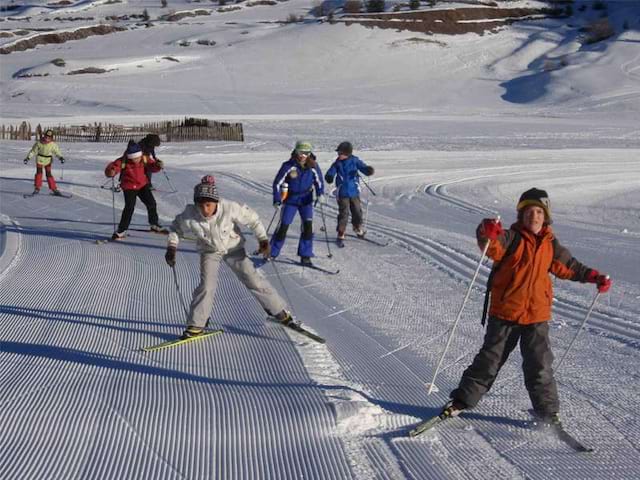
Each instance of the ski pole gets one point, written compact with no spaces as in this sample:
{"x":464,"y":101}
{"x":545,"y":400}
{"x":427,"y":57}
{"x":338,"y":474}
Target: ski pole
{"x":326,"y":235}
{"x":284,"y":289}
{"x":366,"y":214}
{"x":169,"y":181}
{"x":593,"y":304}
{"x":272,"y":219}
{"x":455,"y":324}
{"x":366,"y":184}
{"x":113,"y":202}
{"x":175,"y":279}
{"x":62,"y":173}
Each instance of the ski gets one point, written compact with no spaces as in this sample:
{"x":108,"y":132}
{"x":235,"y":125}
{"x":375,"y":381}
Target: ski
{"x":29,"y":195}
{"x":296,"y":327}
{"x":300,"y":264}
{"x":366,"y":239}
{"x":427,"y":425}
{"x":164,"y":231}
{"x":569,"y":439}
{"x":319,"y":269}
{"x":560,"y":433}
{"x":60,"y":194}
{"x":180,"y":341}
{"x":102,"y":241}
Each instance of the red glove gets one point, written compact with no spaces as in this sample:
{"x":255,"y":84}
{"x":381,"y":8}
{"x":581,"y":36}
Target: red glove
{"x":491,"y":228}
{"x":603,"y":282}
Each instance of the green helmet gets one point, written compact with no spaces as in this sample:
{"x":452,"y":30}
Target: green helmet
{"x":303,"y":147}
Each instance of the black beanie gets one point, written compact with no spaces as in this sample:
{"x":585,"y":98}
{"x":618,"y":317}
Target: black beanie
{"x":538,"y":198}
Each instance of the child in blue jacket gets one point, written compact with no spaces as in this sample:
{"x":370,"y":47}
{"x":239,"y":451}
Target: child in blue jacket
{"x":345,"y":169}
{"x":302,"y":174}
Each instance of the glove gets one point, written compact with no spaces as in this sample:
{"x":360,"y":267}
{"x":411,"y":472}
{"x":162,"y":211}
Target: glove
{"x":26,"y":160}
{"x":319,"y":199}
{"x":276,"y":205}
{"x":264,"y":248}
{"x":160,"y":163}
{"x":61,"y":159}
{"x":110,"y":173}
{"x":170,"y":256}
{"x":491,"y":228}
{"x":369,"y":171}
{"x":328,"y":178}
{"x":603,"y":282}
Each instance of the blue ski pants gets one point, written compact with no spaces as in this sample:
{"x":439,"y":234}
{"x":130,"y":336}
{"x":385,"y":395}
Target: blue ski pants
{"x":287,"y":214}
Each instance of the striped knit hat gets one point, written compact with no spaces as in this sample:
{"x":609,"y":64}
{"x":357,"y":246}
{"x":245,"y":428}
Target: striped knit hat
{"x":206,"y":190}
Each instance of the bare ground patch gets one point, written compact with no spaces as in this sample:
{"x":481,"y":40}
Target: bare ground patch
{"x":58,"y":37}
{"x":449,"y":22}
{"x":174,"y":17}
{"x":89,"y":70}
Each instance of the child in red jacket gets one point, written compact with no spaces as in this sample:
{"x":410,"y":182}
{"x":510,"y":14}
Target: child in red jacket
{"x":134,"y":184}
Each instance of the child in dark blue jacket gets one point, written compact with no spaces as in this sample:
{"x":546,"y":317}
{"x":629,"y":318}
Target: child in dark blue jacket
{"x":302,"y":174}
{"x":345,"y":169}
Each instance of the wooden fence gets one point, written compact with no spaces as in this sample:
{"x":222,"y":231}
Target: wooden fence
{"x":187,"y":130}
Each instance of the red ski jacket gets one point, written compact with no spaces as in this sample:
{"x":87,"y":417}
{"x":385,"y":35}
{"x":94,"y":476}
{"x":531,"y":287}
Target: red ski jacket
{"x":133,"y":171}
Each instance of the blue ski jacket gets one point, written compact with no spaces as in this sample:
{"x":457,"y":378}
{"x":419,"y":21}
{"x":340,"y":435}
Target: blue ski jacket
{"x":347,"y":178}
{"x":301,"y":180}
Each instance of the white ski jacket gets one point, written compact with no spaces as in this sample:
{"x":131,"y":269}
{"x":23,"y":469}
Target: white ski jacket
{"x":220,"y":233}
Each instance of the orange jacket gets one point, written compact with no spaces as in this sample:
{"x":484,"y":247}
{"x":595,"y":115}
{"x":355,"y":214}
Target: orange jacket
{"x":521,"y":291}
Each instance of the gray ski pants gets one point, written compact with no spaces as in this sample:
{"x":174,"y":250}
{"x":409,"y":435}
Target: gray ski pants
{"x":203,"y":295}
{"x":499,"y":341}
{"x":344,"y":205}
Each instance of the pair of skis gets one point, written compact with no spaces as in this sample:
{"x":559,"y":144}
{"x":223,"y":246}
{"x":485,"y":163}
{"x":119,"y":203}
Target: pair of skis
{"x":300,"y":264}
{"x":555,"y":428}
{"x":102,"y":241}
{"x":59,"y":194}
{"x":296,"y":327}
{"x":340,"y":241}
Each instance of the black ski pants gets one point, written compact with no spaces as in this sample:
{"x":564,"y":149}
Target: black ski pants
{"x":344,"y":205}
{"x":499,"y":341}
{"x":130,"y":197}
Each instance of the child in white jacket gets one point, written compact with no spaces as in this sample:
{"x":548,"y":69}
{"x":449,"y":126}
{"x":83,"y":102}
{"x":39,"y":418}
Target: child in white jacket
{"x":214,"y":223}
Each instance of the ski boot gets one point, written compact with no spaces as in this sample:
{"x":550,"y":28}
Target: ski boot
{"x":452,"y":409}
{"x":359,"y":231}
{"x":56,"y":193}
{"x":191,"y":332}
{"x":550,"y":419}
{"x":284,"y":317}
{"x":306,"y":262}
{"x":118,"y":236}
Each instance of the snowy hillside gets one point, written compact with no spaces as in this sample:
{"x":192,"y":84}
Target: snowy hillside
{"x":247,"y":61}
{"x":456,"y":128}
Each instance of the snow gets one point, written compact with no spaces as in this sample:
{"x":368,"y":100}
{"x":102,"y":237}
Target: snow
{"x":455,"y":133}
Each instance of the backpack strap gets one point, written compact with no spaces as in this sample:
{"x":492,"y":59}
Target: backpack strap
{"x":496,"y":266}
